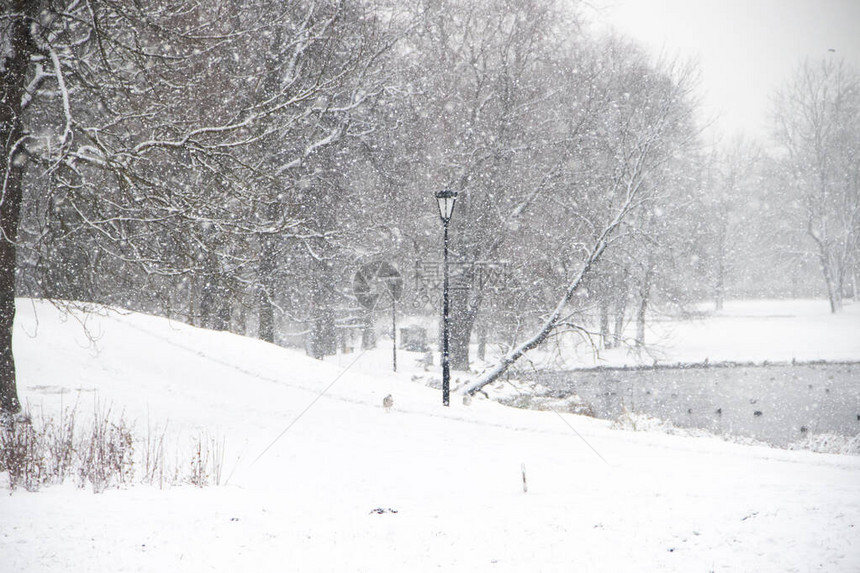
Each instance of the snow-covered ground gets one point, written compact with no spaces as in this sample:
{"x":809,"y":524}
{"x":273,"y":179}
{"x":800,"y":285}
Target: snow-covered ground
{"x":744,"y":331}
{"x":304,"y":484}
{"x":753,"y":331}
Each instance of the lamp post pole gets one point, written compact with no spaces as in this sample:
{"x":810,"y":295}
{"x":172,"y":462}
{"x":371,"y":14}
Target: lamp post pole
{"x":446,"y":361}
{"x":446,"y":201}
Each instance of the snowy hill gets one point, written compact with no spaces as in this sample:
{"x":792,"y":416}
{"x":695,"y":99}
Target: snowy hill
{"x":321,"y":478}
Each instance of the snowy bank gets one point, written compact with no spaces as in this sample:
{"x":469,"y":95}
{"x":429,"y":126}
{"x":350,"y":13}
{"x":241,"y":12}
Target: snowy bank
{"x":313,"y":457}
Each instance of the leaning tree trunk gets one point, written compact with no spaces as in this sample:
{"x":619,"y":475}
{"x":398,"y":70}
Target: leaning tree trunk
{"x":12,"y":161}
{"x":555,"y":317}
{"x":551,"y":323}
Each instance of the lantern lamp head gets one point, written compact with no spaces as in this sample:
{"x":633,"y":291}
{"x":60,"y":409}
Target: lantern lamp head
{"x":446,"y":199}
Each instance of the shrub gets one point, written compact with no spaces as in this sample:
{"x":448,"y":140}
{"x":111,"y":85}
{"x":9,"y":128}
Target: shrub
{"x":41,"y":451}
{"x":106,"y":455}
{"x":22,"y":453}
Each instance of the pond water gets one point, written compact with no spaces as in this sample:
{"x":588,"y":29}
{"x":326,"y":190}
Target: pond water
{"x":778,"y":404}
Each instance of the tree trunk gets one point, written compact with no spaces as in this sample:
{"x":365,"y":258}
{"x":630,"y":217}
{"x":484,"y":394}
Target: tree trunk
{"x":224,"y":316}
{"x":482,"y":340}
{"x":855,"y":283}
{"x":835,"y":297}
{"x":640,"y":321}
{"x":552,"y":322}
{"x":323,"y":341}
{"x":604,"y":324}
{"x":462,"y":321}
{"x":265,"y":308}
{"x":368,"y":332}
{"x":720,"y":289}
{"x":10,"y":213}
{"x":834,"y":286}
{"x":644,"y":299}
{"x":323,"y":335}
{"x":214,"y":310}
{"x":828,"y":262}
{"x":720,"y":278}
{"x":621,"y":290}
{"x":620,"y":313}
{"x":12,"y":162}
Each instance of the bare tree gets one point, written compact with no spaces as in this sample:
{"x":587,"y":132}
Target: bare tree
{"x":17,"y":45}
{"x":478,"y":72}
{"x":818,"y":125}
{"x":323,"y":63}
{"x":655,"y":127}
{"x":153,"y":133}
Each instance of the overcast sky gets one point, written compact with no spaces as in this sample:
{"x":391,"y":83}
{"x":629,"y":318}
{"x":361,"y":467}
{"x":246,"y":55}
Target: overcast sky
{"x":745,"y":48}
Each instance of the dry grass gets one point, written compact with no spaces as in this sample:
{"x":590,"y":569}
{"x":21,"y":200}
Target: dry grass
{"x":36,"y":451}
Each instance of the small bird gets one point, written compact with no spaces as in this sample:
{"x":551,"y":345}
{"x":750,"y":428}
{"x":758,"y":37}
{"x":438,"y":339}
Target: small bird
{"x":388,"y":403}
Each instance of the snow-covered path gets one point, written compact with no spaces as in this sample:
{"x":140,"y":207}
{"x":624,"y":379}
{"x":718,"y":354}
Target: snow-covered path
{"x":653,"y":502}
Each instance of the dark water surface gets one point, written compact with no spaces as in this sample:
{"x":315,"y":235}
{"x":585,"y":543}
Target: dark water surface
{"x":778,"y":404}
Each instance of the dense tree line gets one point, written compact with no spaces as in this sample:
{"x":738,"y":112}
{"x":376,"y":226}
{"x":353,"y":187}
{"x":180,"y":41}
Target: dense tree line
{"x":233,"y":164}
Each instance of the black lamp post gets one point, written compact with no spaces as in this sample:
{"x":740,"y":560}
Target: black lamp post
{"x":446,"y":201}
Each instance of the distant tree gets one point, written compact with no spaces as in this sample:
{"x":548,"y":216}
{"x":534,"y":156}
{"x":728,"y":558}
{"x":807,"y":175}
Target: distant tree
{"x":726,"y":186}
{"x":817,"y":116}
